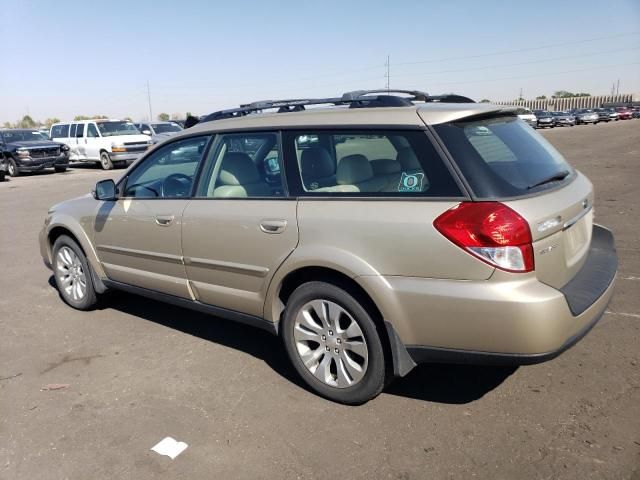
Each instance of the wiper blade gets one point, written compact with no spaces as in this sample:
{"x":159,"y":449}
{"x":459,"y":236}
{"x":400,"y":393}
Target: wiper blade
{"x":551,"y":178}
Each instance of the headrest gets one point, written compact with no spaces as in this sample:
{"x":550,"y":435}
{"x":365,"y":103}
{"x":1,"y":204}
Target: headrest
{"x":408,"y":159}
{"x":385,"y":166}
{"x":354,"y":169}
{"x":316,"y":163}
{"x":238,"y":169}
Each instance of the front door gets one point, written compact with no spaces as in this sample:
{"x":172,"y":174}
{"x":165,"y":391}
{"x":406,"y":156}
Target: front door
{"x":80,"y":141}
{"x":241,"y":226}
{"x":92,"y":142}
{"x":138,"y":237}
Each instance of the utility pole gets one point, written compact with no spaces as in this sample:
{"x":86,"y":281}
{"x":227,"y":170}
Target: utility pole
{"x":618,"y":88}
{"x":520,"y":97}
{"x":149,"y":98}
{"x":387,"y":74}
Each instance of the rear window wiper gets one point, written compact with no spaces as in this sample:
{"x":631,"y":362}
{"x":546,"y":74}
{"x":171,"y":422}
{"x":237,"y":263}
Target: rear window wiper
{"x":551,"y":178}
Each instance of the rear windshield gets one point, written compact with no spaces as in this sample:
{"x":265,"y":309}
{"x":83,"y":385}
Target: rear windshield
{"x":503,"y":157}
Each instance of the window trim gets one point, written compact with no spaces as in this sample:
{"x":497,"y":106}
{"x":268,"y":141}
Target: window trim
{"x":294,"y":176}
{"x":121,"y":185}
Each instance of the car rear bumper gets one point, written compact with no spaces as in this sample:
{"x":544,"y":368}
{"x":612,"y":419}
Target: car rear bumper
{"x":515,"y":321}
{"x":34,"y":164}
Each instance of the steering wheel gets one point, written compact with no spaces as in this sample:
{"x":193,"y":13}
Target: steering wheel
{"x":176,"y":185}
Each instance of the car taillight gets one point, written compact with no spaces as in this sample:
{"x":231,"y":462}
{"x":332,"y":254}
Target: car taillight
{"x":492,"y":232}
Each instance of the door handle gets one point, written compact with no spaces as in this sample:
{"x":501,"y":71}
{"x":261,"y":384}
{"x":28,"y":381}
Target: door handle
{"x":273,"y":226}
{"x":164,"y":220}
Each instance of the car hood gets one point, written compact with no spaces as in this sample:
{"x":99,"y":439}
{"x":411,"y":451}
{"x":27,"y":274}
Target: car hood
{"x":34,"y":144}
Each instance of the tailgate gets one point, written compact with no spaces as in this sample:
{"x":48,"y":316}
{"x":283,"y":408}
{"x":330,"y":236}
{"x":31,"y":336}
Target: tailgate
{"x":561,"y":225}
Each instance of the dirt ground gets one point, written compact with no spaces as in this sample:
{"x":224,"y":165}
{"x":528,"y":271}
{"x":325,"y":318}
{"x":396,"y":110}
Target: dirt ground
{"x":139,"y":371}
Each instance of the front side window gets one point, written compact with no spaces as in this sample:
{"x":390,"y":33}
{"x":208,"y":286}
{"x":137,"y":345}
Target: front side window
{"x":168,"y":172}
{"x":377,"y":163}
{"x":92,"y":131}
{"x":243,"y":166}
{"x":502,"y":157}
{"x":60,"y":131}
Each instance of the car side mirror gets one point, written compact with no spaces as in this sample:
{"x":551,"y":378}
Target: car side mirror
{"x":105,"y":190}
{"x":146,"y":132}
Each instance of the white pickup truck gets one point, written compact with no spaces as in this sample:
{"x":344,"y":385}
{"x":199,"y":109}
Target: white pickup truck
{"x":109,"y":142}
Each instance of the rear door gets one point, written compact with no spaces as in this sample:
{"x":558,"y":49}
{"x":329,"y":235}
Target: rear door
{"x":241,"y":226}
{"x":503,"y":160}
{"x":81,"y":141}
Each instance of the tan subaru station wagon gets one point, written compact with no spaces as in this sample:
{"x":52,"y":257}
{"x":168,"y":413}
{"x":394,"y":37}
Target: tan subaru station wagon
{"x":372,"y":231}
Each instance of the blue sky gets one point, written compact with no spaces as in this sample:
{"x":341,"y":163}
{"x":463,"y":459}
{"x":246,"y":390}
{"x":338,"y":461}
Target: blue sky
{"x":68,"y":58}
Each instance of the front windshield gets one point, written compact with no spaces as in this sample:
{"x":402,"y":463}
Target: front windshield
{"x":23,"y":136}
{"x":110,"y":129}
{"x":166,"y":127}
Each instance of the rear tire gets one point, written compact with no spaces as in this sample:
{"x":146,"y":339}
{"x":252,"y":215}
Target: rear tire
{"x":105,"y":161}
{"x":60,"y":169}
{"x":72,"y":274}
{"x":333,"y":343}
{"x":12,"y":168}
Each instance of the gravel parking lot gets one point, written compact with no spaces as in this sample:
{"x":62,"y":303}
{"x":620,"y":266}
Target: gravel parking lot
{"x":138,"y":371}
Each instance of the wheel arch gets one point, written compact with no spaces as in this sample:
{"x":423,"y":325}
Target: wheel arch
{"x":399,"y":363}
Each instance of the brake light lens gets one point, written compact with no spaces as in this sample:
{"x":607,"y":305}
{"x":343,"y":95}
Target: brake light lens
{"x":492,"y":232}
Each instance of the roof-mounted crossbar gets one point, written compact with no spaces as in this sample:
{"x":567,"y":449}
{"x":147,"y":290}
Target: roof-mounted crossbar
{"x":355,"y":99}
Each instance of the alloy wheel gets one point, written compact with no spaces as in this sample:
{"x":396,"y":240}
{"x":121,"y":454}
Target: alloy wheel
{"x":330,"y":343}
{"x":70,"y":274}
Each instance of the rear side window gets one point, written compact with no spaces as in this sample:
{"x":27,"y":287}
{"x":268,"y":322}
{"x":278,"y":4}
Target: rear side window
{"x":60,"y":131}
{"x":367,"y":163}
{"x":503,"y":157}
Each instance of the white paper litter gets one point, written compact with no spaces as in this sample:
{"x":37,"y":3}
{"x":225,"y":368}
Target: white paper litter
{"x":170,"y":447}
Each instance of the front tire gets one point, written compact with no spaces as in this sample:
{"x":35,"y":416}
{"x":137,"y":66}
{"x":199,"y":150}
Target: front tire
{"x":12,"y":168}
{"x":105,"y":161}
{"x":333,"y":343}
{"x":72,"y":274}
{"x":60,"y":168}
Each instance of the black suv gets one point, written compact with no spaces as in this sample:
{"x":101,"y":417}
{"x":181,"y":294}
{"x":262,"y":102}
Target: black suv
{"x":27,"y":150}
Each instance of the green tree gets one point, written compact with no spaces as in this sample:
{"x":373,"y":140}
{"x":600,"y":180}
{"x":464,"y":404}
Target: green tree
{"x":98,"y":117}
{"x":50,"y":121}
{"x":7,"y":125}
{"x":81,"y":117}
{"x":26,"y":122}
{"x":566,"y":94}
{"x":163,"y":117}
{"x":485,"y":100}
{"x":541,"y":97}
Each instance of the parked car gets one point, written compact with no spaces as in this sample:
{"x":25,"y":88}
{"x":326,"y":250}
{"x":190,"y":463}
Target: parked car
{"x":636,"y":112}
{"x":613,"y":115}
{"x":603,"y":114}
{"x":159,"y":131}
{"x":334,"y":248}
{"x":585,"y":115}
{"x":3,"y":168}
{"x":564,"y":118}
{"x":624,"y":113}
{"x":26,"y":150}
{"x":527,"y":115}
{"x":107,"y":142}
{"x":545,"y":119}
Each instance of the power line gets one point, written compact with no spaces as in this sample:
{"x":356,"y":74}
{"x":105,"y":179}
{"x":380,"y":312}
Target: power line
{"x":527,"y":49}
{"x":490,"y":67}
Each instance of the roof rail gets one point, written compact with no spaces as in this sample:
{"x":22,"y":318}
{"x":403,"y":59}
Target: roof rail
{"x":355,"y":99}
